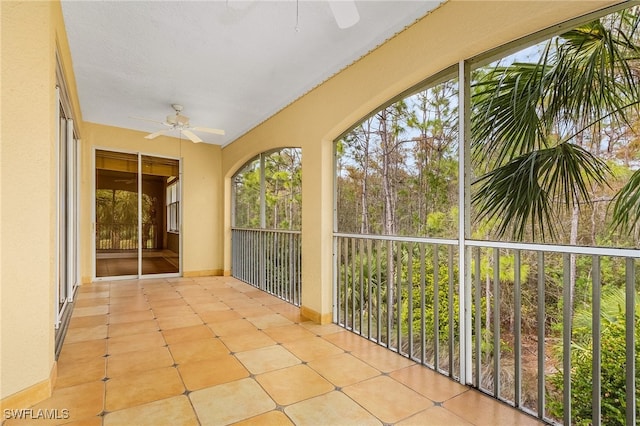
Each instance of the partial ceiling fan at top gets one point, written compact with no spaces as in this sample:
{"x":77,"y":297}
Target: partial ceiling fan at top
{"x":344,"y":12}
{"x":181,"y":123}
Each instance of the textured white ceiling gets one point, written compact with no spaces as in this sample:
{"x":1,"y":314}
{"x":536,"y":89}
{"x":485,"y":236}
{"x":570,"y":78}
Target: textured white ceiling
{"x":231,"y":64}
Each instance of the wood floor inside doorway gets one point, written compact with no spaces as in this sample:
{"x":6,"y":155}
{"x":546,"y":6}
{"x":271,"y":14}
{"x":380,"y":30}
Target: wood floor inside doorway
{"x":113,"y":266}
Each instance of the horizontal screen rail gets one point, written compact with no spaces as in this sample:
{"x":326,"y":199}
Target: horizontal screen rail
{"x":555,"y":248}
{"x":443,"y":241}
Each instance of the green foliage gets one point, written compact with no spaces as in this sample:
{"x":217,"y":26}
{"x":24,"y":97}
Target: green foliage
{"x":283,"y":192}
{"x":368,"y":276}
{"x":435,"y":222}
{"x":247,"y":195}
{"x":117,"y":206}
{"x":524,"y":191}
{"x":117,"y":218}
{"x":443,"y":301}
{"x":506,"y":268}
{"x":613,"y":361}
{"x":397,"y":170}
{"x":626,"y":210}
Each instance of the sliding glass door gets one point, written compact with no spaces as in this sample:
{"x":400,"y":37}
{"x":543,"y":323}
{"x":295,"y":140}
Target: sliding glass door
{"x":67,"y":278}
{"x":160,"y":244}
{"x":132,"y":236}
{"x":67,"y":150}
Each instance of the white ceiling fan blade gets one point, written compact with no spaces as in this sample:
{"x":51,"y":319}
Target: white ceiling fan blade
{"x":208,"y":130}
{"x":148,"y":119}
{"x":192,"y":136}
{"x":156,"y":134}
{"x":345,"y":13}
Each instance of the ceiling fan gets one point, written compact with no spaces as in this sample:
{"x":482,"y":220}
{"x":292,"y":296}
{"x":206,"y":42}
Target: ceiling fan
{"x":181,"y":123}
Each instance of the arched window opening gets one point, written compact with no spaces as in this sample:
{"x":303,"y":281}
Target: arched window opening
{"x":266,"y":221}
{"x":397,"y":171}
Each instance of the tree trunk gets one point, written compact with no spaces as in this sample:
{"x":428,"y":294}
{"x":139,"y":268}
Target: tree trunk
{"x":389,"y":214}
{"x":364,"y":206}
{"x":275,"y":208}
{"x":387,"y":185}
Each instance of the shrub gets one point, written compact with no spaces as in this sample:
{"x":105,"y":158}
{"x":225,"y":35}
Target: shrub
{"x":613,"y":369}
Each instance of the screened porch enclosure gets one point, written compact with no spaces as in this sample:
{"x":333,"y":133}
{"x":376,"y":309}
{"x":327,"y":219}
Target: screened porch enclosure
{"x":438,"y":258}
{"x":436,"y":261}
{"x":479,"y":234}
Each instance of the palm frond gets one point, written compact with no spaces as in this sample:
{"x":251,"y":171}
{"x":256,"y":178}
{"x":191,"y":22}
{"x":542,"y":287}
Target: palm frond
{"x":626,"y":210}
{"x":593,"y":76}
{"x":526,"y":118}
{"x":529,"y":190}
{"x":506,"y":104}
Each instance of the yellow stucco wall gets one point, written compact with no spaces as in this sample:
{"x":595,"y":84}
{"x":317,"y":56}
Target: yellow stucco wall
{"x":30,"y":33}
{"x":201,"y":193}
{"x":455,"y":31}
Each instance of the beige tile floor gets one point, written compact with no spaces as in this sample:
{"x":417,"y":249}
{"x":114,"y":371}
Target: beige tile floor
{"x":215,"y":351}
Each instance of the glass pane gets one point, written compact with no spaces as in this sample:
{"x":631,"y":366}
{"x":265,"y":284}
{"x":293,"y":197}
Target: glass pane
{"x":116,"y":214}
{"x":160,"y":236}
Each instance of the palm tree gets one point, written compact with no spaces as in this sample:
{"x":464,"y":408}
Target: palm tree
{"x":531,"y":120}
